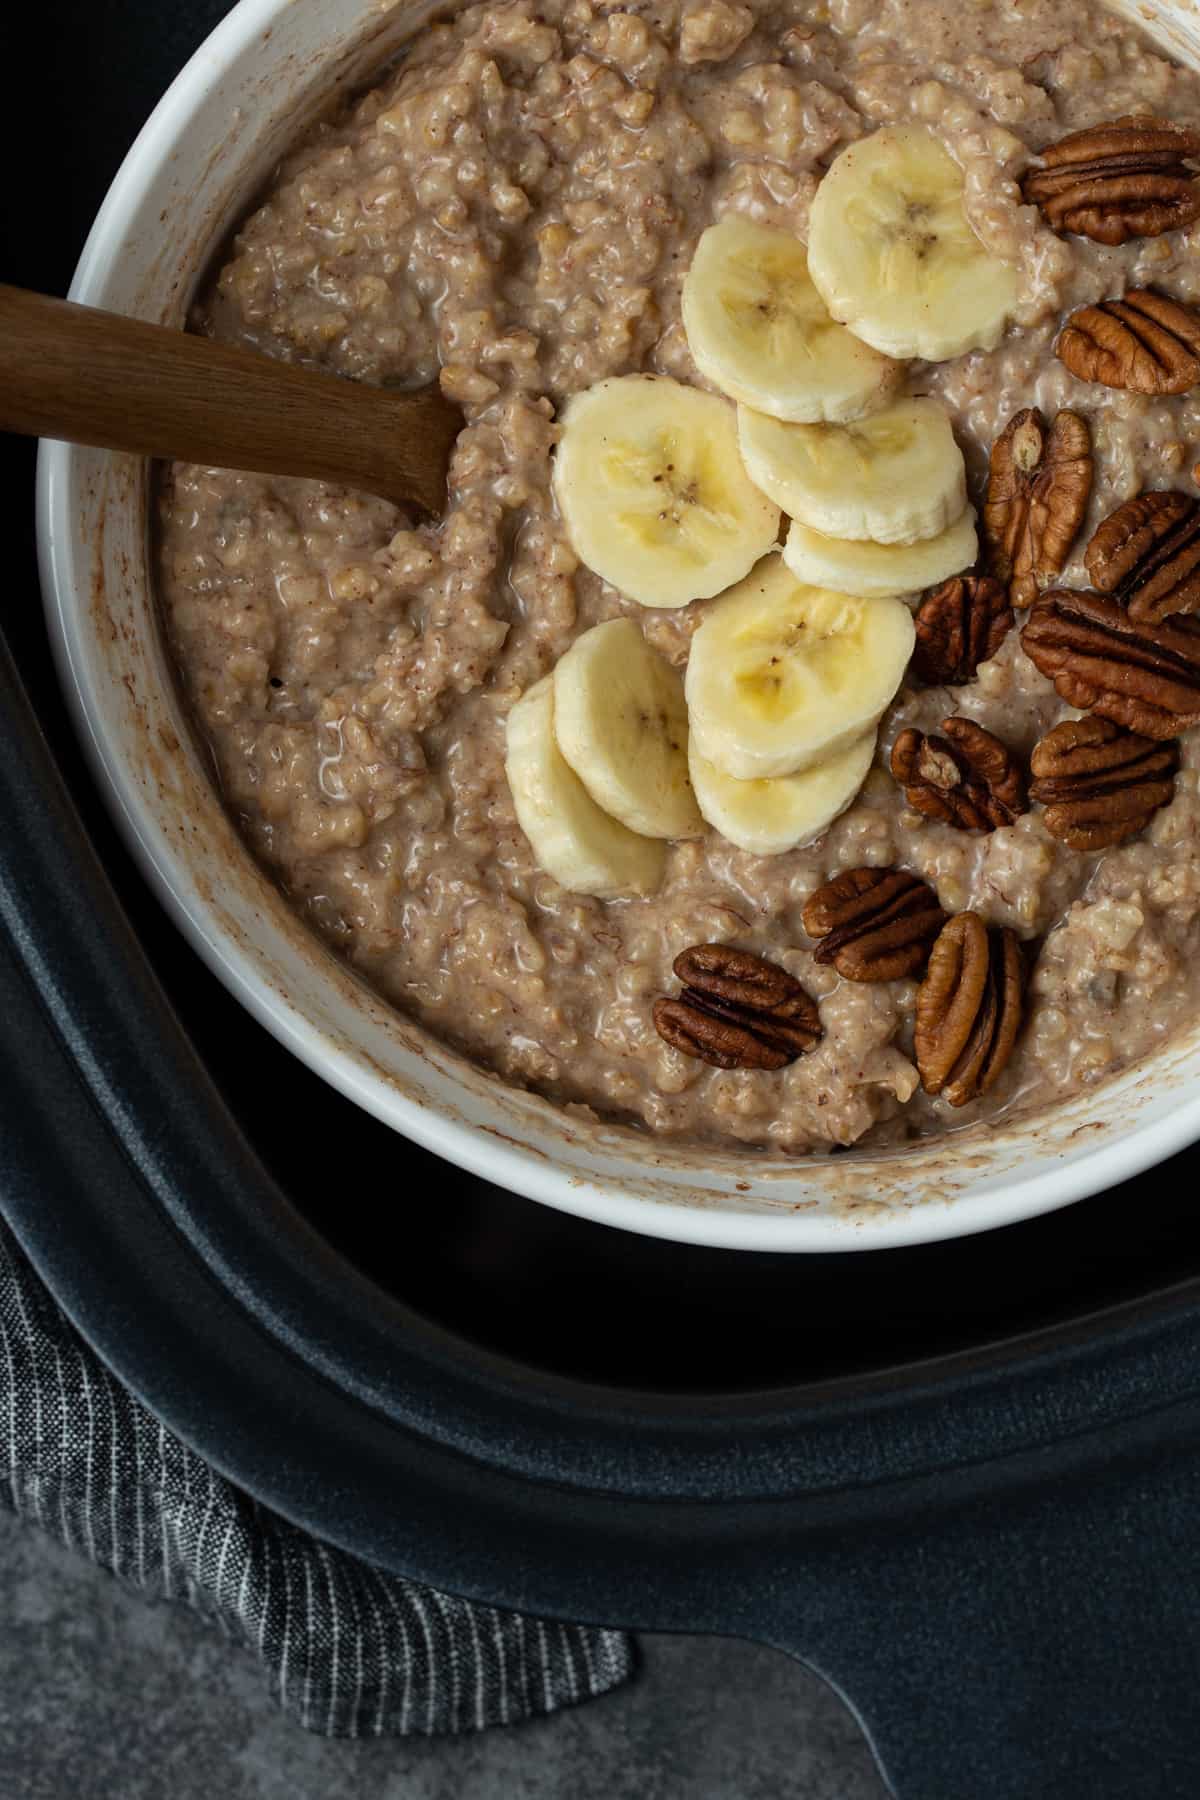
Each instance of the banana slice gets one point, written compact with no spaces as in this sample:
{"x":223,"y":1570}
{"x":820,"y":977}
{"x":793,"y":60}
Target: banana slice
{"x":766,"y":817}
{"x":651,"y":487}
{"x":850,"y":566}
{"x":621,"y":722}
{"x":758,"y":329}
{"x":893,"y":256}
{"x":572,"y":838}
{"x":896,"y":478}
{"x":782,"y":675}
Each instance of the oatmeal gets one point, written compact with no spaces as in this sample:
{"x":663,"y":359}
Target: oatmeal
{"x":516,"y":206}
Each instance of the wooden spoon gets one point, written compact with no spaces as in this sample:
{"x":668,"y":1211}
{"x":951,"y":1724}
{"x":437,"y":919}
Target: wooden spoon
{"x":95,"y":377}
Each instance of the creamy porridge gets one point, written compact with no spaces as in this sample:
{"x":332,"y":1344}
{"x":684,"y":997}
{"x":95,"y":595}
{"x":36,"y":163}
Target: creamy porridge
{"x":516,"y":205}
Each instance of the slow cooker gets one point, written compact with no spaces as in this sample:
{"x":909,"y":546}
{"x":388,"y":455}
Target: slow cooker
{"x":958,"y":1479}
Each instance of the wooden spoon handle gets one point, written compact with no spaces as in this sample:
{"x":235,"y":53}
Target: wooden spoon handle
{"x":94,"y":377}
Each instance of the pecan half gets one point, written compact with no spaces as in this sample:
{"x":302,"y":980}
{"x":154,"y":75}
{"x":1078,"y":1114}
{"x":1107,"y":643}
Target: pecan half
{"x":1099,"y":783}
{"x":1143,"y":342}
{"x":1037,"y":493}
{"x":737,"y":1011}
{"x":874,"y":924}
{"x":960,"y":625}
{"x":1145,"y":677}
{"x":1118,"y":181}
{"x":1147,"y":552}
{"x":967,"y":778}
{"x":969,"y":1009}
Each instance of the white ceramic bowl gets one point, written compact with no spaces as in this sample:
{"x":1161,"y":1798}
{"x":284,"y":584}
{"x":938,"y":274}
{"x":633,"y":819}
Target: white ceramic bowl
{"x":211,"y":140}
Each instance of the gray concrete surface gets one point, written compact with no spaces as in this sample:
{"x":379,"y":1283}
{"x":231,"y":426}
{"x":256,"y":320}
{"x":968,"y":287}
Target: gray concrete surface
{"x":107,"y":1696}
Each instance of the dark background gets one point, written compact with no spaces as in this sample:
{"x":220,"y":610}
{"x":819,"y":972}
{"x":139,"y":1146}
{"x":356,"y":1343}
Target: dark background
{"x":534,"y":1283}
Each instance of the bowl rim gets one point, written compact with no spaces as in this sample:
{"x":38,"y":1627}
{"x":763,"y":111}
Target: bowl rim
{"x":1008,"y":1200}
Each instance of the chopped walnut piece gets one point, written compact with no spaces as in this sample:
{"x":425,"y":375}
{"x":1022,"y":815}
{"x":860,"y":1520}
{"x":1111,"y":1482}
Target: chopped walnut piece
{"x":1037,"y":494}
{"x":1142,"y":342}
{"x":1099,"y":783}
{"x":737,"y":1011}
{"x":967,"y":778}
{"x":1123,"y":180}
{"x":969,"y":1009}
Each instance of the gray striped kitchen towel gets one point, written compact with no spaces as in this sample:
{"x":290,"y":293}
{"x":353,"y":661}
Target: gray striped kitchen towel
{"x":350,"y":1652}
